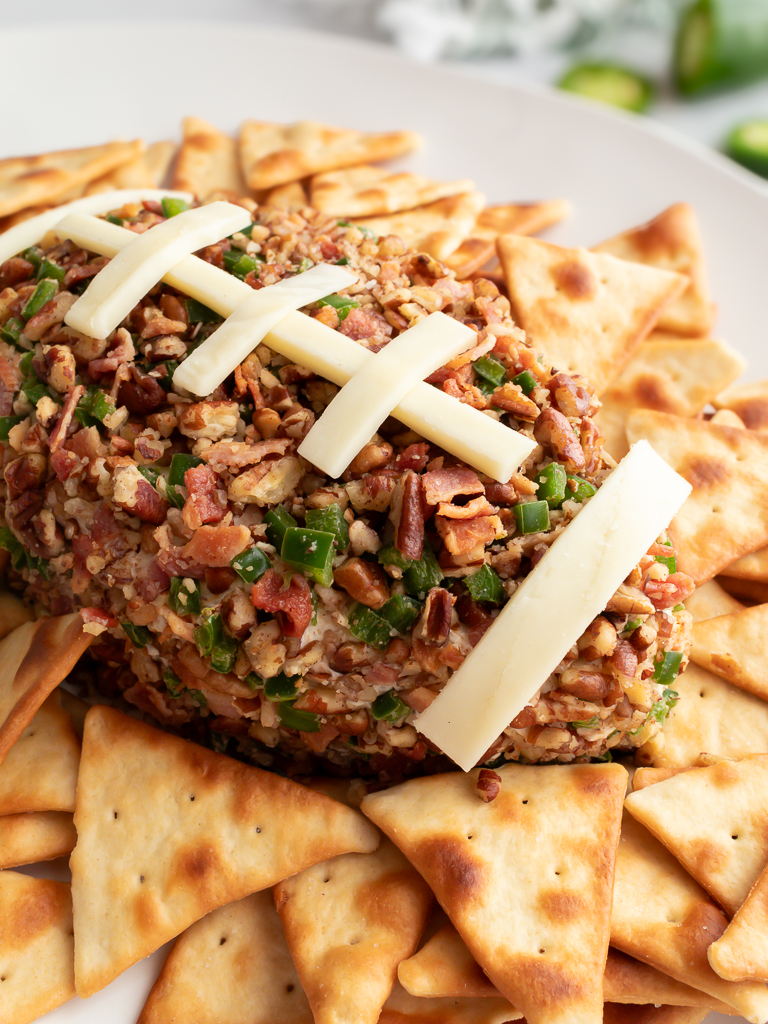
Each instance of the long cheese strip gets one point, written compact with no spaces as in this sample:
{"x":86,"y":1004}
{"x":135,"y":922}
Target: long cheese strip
{"x":470,"y":435}
{"x":548,"y":613}
{"x":34,"y":229}
{"x":370,"y":395}
{"x":117,"y":288}
{"x":241,"y":332}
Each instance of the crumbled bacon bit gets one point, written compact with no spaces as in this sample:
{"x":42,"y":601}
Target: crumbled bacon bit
{"x":291,"y":604}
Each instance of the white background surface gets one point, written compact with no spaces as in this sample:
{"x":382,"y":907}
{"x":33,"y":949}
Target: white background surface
{"x":77,"y":85}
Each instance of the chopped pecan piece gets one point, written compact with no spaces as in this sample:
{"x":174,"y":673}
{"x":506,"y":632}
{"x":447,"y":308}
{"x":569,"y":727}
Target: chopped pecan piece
{"x":554,"y":431}
{"x":488,"y":785}
{"x":435,"y":621}
{"x":365,"y":582}
{"x":408,"y":516}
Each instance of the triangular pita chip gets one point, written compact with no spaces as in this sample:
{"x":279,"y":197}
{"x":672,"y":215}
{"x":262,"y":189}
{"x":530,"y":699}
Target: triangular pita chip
{"x":713,"y":820}
{"x":132,"y":174}
{"x":750,"y":567}
{"x":672,"y":241}
{"x":39,"y":772}
{"x":741,"y":952}
{"x":558,"y":825}
{"x":584,"y":311}
{"x":158,"y":159}
{"x":273,"y":154}
{"x":733,"y":646}
{"x":35,"y":946}
{"x":749,"y":592}
{"x":232,"y":967}
{"x":344,"y":914}
{"x":168,"y":831}
{"x":662,"y":916}
{"x":619,"y":1013}
{"x":33,"y":661}
{"x":292,"y":196}
{"x":668,"y":374}
{"x":710,"y":600}
{"x":728,"y":418}
{"x":208,"y":161}
{"x":371,"y":191}
{"x":36,"y":836}
{"x":711,"y":716}
{"x":726,"y":514}
{"x":32,"y":180}
{"x":437,"y":228}
{"x":13,"y":612}
{"x":749,"y":401}
{"x":403,"y":1008}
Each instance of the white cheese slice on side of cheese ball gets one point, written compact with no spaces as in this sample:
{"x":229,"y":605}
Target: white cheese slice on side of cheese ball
{"x":367,"y":399}
{"x":472,"y":436}
{"x":127,"y":278}
{"x":571,"y":584}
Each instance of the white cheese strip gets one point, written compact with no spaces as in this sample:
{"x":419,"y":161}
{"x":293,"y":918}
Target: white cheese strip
{"x":548,"y":613}
{"x":125,"y":280}
{"x":33,"y":230}
{"x":241,"y":332}
{"x":475,"y":438}
{"x":362,"y":405}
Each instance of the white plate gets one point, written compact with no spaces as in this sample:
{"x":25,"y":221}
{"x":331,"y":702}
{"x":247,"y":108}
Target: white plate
{"x":74,"y":87}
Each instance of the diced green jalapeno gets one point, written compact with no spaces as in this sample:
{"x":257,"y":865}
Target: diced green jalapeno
{"x":368,"y":626}
{"x":173,"y":683}
{"x":331,"y":520}
{"x":171,"y":206}
{"x":552,"y":483}
{"x":223,"y":655}
{"x":609,"y":83}
{"x":389,"y":708}
{"x":197,"y":313}
{"x":422,"y":575}
{"x":589,"y":723}
{"x":292,"y":718}
{"x":389,"y":555}
{"x":11,"y":331}
{"x":241,"y":263}
{"x":400,"y":612}
{"x":139,"y":636}
{"x":525,"y":381}
{"x":253,"y":681}
{"x":208,"y":633}
{"x":578,"y":489}
{"x":660,"y":709}
{"x":310,"y":551}
{"x":666,"y":670}
{"x":631,"y":626}
{"x":25,"y":363}
{"x":278,"y":521}
{"x":34,"y":390}
{"x":250,"y":565}
{"x":340,"y":303}
{"x":33,"y":255}
{"x":7,"y":423}
{"x":343,"y":262}
{"x":52,"y":270}
{"x":112,"y":219}
{"x":179,"y":466}
{"x":184,"y":596}
{"x":485,"y":585}
{"x":44,"y":292}
{"x":150,"y":473}
{"x":491,"y":369}
{"x":679,"y":608}
{"x":304,"y":264}
{"x":281,"y":687}
{"x":532,"y":516}
{"x":669,"y":560}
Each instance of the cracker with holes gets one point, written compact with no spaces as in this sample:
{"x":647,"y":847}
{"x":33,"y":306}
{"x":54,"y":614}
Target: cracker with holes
{"x":437,"y":228}
{"x":749,"y":401}
{"x":344,"y":914}
{"x":749,"y":567}
{"x":713,"y":820}
{"x":168,"y":831}
{"x":726,"y":514}
{"x":231,"y":967}
{"x":34,"y":659}
{"x":207,"y":161}
{"x":585,"y":311}
{"x":368,"y":191}
{"x":273,"y":154}
{"x":664,"y":917}
{"x":35,"y":946}
{"x":710,"y":600}
{"x":672,"y":241}
{"x":559,"y":826}
{"x":733,"y":646}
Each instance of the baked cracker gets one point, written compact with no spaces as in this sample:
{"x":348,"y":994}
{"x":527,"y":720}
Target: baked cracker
{"x":368,"y":191}
{"x":726,"y":515}
{"x":584,"y":311}
{"x":733,"y":646}
{"x":13,"y":612}
{"x":273,"y":154}
{"x":28,"y":838}
{"x":35,"y":946}
{"x":710,"y":600}
{"x":741,"y":952}
{"x":403,"y":1008}
{"x":749,"y":401}
{"x":207,"y":161}
{"x":292,"y":196}
{"x":750,"y":567}
{"x":618,"y":1013}
{"x":344,"y":914}
{"x":672,"y":241}
{"x":558,"y":825}
{"x":231,"y":967}
{"x":168,"y":831}
{"x":437,"y":228}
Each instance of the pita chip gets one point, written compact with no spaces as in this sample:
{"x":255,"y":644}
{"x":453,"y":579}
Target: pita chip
{"x":663,"y":917}
{"x":33,"y":661}
{"x":273,"y":154}
{"x":749,"y":592}
{"x":733,"y":646}
{"x":132,"y":174}
{"x":35,"y":946}
{"x":13,"y":613}
{"x":34,"y":180}
{"x":710,"y":600}
{"x":750,"y":567}
{"x":726,"y":514}
{"x":741,"y":952}
{"x":207,"y":161}
{"x":168,"y":831}
{"x":344,"y":914}
{"x":35,"y":836}
{"x":158,"y":159}
{"x":368,"y":191}
{"x":437,"y":228}
{"x":728,"y":418}
{"x":39,"y":772}
{"x":713,"y":820}
{"x":668,"y":374}
{"x":749,"y":401}
{"x":292,"y":196}
{"x":558,"y":825}
{"x":403,"y":1008}
{"x":672,"y":241}
{"x":618,"y":1013}
{"x":231,"y":967}
{"x":584,"y":311}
